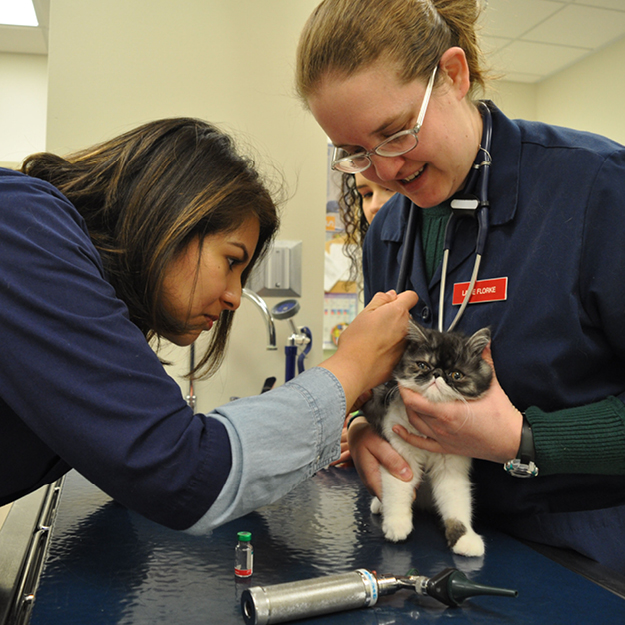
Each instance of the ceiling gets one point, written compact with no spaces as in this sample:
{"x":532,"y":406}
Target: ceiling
{"x":529,"y":40}
{"x":28,"y":39}
{"x":526,"y":40}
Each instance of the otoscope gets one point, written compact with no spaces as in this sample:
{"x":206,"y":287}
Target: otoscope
{"x":281,"y":603}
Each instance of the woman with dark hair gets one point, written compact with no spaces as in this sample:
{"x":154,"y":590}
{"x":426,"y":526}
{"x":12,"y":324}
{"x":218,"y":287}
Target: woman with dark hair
{"x":359,"y":202}
{"x":146,"y":195}
{"x":153,"y":234}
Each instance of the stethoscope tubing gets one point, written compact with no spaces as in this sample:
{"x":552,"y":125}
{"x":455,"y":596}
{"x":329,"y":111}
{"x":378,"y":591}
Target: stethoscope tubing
{"x":479,"y":208}
{"x":409,"y":242}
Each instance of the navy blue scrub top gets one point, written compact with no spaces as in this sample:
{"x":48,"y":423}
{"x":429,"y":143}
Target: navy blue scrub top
{"x":557,"y":233}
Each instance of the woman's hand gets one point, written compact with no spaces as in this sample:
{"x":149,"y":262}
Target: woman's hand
{"x":488,"y":428}
{"x":345,"y":455}
{"x":372,"y":344}
{"x":369,"y":451}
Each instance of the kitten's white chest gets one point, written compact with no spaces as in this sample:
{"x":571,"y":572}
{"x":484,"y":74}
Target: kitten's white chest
{"x":396,"y":415}
{"x":449,"y":489}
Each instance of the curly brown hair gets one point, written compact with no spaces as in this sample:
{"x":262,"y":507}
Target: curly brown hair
{"x":355,"y":222}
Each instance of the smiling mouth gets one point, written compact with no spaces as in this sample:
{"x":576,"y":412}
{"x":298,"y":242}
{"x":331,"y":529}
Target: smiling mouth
{"x":414,"y":176}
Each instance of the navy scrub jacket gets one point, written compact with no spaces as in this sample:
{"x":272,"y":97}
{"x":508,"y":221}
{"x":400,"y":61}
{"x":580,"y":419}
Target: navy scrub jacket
{"x":557,"y":233}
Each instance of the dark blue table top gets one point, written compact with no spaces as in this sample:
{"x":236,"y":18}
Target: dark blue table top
{"x":107,"y":565}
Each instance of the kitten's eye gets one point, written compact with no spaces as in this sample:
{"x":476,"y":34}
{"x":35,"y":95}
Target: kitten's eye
{"x":422,"y":366}
{"x":456,"y":376}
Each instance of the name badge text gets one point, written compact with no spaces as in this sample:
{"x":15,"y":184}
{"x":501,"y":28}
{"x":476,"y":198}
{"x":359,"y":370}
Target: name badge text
{"x":493,"y":290}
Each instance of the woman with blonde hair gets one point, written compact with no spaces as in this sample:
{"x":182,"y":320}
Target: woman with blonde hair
{"x":393,"y":84}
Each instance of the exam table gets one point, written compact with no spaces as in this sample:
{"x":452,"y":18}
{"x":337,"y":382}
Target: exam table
{"x":103,"y":564}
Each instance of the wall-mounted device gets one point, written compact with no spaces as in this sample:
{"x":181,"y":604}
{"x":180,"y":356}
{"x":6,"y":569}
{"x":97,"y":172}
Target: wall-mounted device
{"x":280,"y":273}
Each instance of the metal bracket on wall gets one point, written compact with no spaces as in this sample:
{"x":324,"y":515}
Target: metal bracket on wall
{"x":280,"y":273}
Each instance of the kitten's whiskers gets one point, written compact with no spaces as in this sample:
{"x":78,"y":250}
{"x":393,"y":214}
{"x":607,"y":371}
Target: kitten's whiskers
{"x":468,"y":413}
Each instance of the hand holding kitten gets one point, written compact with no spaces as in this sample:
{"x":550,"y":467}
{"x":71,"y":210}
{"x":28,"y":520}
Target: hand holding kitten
{"x":488,"y":428}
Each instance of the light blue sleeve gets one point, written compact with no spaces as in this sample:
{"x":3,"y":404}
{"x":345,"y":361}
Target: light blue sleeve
{"x":278,"y":440}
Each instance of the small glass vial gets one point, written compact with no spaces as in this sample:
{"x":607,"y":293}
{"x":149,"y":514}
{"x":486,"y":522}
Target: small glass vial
{"x":244,"y":555}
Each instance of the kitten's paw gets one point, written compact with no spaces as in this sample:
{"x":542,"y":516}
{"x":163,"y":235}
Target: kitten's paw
{"x":376,"y":506}
{"x":471,"y":545}
{"x":463,"y":541}
{"x":397,"y":527}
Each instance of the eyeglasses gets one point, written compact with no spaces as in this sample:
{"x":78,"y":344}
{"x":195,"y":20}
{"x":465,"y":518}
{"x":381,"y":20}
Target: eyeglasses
{"x":396,"y":145}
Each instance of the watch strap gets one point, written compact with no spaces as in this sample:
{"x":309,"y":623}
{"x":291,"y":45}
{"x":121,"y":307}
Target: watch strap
{"x":527,"y":452}
{"x":523,"y":465}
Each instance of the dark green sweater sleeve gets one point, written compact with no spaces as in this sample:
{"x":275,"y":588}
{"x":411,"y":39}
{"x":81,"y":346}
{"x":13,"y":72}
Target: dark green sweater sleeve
{"x":586,"y":439}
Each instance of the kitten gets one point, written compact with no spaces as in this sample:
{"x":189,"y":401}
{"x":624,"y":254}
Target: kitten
{"x":442,"y":366}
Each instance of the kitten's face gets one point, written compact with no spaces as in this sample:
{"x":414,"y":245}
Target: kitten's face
{"x":444,"y":366}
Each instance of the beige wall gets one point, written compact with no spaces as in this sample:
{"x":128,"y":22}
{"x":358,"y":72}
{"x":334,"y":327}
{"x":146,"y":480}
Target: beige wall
{"x":115,"y":64}
{"x":588,"y":96}
{"x":23,"y":96}
{"x":516,"y":100}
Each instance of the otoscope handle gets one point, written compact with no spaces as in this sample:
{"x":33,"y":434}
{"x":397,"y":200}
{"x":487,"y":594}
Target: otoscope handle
{"x":290,"y":352}
{"x":281,"y":603}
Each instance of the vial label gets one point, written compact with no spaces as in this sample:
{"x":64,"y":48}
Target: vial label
{"x":243,"y":572}
{"x":244,"y":564}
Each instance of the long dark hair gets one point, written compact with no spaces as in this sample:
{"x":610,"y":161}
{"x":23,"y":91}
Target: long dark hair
{"x":146,"y":194}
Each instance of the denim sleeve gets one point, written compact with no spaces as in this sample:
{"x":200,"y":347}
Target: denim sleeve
{"x":278,"y":439}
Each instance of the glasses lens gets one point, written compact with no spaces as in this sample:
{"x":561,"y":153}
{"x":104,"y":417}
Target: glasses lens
{"x":398,"y":144}
{"x":351,"y":164}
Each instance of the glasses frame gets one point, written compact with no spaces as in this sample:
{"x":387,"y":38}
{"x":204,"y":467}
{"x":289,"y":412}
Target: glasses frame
{"x":338,"y":162}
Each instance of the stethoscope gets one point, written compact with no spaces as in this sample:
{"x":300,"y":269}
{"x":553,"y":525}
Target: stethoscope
{"x":472,"y":202}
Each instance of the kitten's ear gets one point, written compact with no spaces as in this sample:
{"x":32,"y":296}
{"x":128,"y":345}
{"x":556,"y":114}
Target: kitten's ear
{"x":416,"y":332}
{"x":479,"y":341}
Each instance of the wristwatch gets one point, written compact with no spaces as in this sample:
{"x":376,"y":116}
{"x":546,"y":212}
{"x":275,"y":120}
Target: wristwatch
{"x":523,"y":465}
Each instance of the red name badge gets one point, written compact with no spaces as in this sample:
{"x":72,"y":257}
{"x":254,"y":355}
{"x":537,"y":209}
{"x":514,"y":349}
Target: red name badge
{"x":493,"y":290}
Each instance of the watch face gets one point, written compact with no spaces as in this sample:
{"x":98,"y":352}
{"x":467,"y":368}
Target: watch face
{"x":518,"y":469}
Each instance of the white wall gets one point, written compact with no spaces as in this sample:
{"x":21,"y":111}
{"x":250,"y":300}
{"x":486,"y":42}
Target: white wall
{"x":23,"y":97}
{"x":116,"y":64}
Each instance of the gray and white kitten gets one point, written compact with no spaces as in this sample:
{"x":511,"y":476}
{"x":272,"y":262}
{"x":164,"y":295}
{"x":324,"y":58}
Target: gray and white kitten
{"x":441,"y":366}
